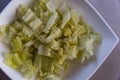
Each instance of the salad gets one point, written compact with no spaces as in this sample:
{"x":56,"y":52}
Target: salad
{"x":45,"y":37}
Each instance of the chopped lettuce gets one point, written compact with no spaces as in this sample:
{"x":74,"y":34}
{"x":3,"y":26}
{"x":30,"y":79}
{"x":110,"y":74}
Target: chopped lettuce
{"x":3,"y":32}
{"x":56,"y":33}
{"x":17,"y":44}
{"x":13,"y":60}
{"x":27,"y":68}
{"x":58,"y":70}
{"x":53,"y":5}
{"x":67,"y":31}
{"x":37,"y":63}
{"x":31,"y":19}
{"x":66,"y":15}
{"x":52,"y":20}
{"x":47,"y":64}
{"x":45,"y":37}
{"x":21,"y":11}
{"x":28,"y":16}
{"x":35,"y":23}
{"x":75,"y":18}
{"x":55,"y":45}
{"x":27,"y":31}
{"x":86,"y":45}
{"x":73,"y":52}
{"x":40,"y":8}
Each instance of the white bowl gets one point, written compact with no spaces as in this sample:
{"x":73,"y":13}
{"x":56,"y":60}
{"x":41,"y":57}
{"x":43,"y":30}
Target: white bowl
{"x":77,"y":71}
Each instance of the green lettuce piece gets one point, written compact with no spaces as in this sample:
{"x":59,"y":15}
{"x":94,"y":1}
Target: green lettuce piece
{"x":40,"y":8}
{"x":28,"y":44}
{"x":41,"y":49}
{"x":44,"y":50}
{"x":66,"y":15}
{"x":37,"y":63}
{"x":37,"y":8}
{"x":17,"y":26}
{"x":47,"y":64}
{"x":55,"y":45}
{"x":42,"y":3}
{"x":28,"y":16}
{"x":13,"y":60}
{"x":42,"y":38}
{"x":73,"y":40}
{"x":75,"y":18}
{"x":17,"y":59}
{"x":52,"y":20}
{"x":35,"y":23}
{"x":67,"y":31}
{"x":60,"y":57}
{"x":25,"y":54}
{"x":47,"y":76}
{"x":53,"y":5}
{"x":24,"y":38}
{"x":80,"y":30}
{"x":11,"y":34}
{"x":22,"y":9}
{"x":3,"y":31}
{"x":86,"y":45}
{"x":12,"y":30}
{"x":27,"y":31}
{"x":9,"y":60}
{"x":27,"y":68}
{"x":47,"y":51}
{"x":31,"y":19}
{"x":17,"y":44}
{"x":66,"y":18}
{"x":55,"y":34}
{"x":58,"y":70}
{"x":73,"y":52}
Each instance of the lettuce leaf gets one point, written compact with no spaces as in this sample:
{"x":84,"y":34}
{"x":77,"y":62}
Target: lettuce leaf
{"x":53,"y":5}
{"x":22,"y":9}
{"x":66,"y":15}
{"x":3,"y":32}
{"x":51,"y":21}
{"x":45,"y":37}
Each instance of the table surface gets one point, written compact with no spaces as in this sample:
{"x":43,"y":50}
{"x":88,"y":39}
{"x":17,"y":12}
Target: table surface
{"x":110,"y":69}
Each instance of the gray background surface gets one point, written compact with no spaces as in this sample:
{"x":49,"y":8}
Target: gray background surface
{"x":110,"y":10}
